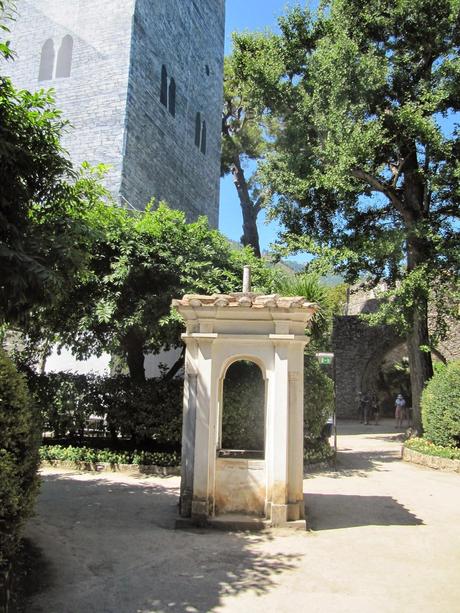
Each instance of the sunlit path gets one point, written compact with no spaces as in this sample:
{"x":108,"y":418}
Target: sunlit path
{"x":384,"y":538}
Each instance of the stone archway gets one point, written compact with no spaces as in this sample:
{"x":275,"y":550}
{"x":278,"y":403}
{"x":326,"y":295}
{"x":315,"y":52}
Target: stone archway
{"x":358,"y":350}
{"x":387,"y":374}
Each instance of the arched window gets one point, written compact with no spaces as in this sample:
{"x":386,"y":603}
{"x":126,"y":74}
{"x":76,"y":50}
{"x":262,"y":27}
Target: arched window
{"x":203,"y":138}
{"x":172,"y":97}
{"x":164,"y":86}
{"x":64,"y":59}
{"x":45,"y":72}
{"x":243,"y":408}
{"x":198,"y":130}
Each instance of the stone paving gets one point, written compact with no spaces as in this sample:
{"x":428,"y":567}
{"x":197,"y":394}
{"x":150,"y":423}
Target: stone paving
{"x":384,"y":537}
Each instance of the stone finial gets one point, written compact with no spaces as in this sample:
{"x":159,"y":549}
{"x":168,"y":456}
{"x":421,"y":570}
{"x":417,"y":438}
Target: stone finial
{"x":246,"y":280}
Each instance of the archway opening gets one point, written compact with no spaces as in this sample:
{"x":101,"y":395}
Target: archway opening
{"x":243,"y":411}
{"x":387,"y":374}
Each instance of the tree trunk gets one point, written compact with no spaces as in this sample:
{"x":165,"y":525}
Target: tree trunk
{"x":134,"y":349}
{"x":418,"y":254}
{"x":248,"y":208}
{"x":172,"y":372}
{"x":420,"y":364}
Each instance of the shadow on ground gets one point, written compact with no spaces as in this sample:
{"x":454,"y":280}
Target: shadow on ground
{"x":357,"y":463}
{"x":334,"y":511}
{"x":111,"y":546}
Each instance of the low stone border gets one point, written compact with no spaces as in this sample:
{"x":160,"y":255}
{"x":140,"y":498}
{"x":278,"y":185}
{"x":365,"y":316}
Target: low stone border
{"x":137,"y":469}
{"x":431,"y":461}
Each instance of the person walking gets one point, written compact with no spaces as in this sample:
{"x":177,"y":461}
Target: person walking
{"x":400,"y":410}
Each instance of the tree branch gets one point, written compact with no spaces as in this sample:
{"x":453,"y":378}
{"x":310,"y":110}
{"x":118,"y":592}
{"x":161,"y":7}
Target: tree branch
{"x":388,"y":190}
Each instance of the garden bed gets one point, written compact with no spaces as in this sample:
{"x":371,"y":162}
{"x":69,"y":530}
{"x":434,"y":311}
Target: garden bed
{"x":106,"y":460}
{"x":141,"y":469}
{"x":425,"y":453}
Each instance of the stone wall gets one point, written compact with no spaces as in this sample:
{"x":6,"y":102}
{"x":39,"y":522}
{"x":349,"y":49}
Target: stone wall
{"x":359,"y":350}
{"x":93,"y":98}
{"x":187,"y":38}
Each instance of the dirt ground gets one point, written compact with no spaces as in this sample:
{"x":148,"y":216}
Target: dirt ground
{"x":384,"y":537}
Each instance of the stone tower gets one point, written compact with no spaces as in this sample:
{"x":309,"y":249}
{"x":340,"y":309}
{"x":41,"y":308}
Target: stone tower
{"x":141,"y":83}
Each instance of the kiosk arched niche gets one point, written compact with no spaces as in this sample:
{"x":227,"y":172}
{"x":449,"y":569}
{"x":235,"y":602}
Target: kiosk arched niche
{"x":270,"y":331}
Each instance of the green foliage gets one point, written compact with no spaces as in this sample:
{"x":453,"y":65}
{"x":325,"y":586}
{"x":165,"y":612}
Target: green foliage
{"x":318,"y":397}
{"x":243,"y":415}
{"x":7,"y":11}
{"x":441,"y":406}
{"x":422,"y":445}
{"x":360,"y":170}
{"x":66,"y":401}
{"x":328,"y":299}
{"x":137,"y":263}
{"x":19,"y":441}
{"x":242,"y":127}
{"x":43,"y":240}
{"x":317,"y":451}
{"x":146,"y":413}
{"x":88,"y":455}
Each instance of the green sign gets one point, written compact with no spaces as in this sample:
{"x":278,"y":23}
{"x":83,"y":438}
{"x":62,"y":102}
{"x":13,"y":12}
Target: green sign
{"x":325,"y":359}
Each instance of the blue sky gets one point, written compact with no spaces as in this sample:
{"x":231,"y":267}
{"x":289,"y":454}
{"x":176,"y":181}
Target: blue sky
{"x":247,"y":15}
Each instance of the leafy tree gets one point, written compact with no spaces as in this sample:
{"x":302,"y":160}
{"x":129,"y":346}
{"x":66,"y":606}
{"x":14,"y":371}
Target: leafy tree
{"x":139,"y":262}
{"x":330,"y":301}
{"x":361,"y":170}
{"x":242,"y":140}
{"x":19,"y":442}
{"x":42,"y":241}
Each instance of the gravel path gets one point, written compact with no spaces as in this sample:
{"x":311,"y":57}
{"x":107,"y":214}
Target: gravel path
{"x":385,"y":538}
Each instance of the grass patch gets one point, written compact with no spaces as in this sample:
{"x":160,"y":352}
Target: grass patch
{"x":422,"y":445}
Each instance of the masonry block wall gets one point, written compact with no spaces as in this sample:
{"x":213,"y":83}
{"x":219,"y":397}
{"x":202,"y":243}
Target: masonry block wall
{"x":358,"y":349}
{"x":112,"y":95}
{"x":185,"y":40}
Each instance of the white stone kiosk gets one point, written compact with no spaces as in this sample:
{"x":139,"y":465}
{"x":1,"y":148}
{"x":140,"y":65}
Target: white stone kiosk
{"x":223,"y":329}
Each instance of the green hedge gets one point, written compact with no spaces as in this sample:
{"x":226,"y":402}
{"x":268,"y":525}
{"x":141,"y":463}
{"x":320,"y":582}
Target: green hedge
{"x":19,"y":459}
{"x":318,"y":450}
{"x":150,"y":412}
{"x":149,"y":415}
{"x":428,"y":448}
{"x":243,"y":407}
{"x":243,"y":413}
{"x":318,"y":398}
{"x":51,"y":453}
{"x":441,"y":406}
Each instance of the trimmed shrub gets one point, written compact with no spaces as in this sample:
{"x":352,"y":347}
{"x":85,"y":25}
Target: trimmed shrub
{"x":243,"y":417}
{"x":151,"y":411}
{"x":318,"y":398}
{"x":243,"y":407}
{"x":66,"y":401}
{"x":145,"y":413}
{"x":441,"y":406}
{"x":317,"y":451}
{"x":19,"y":442}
